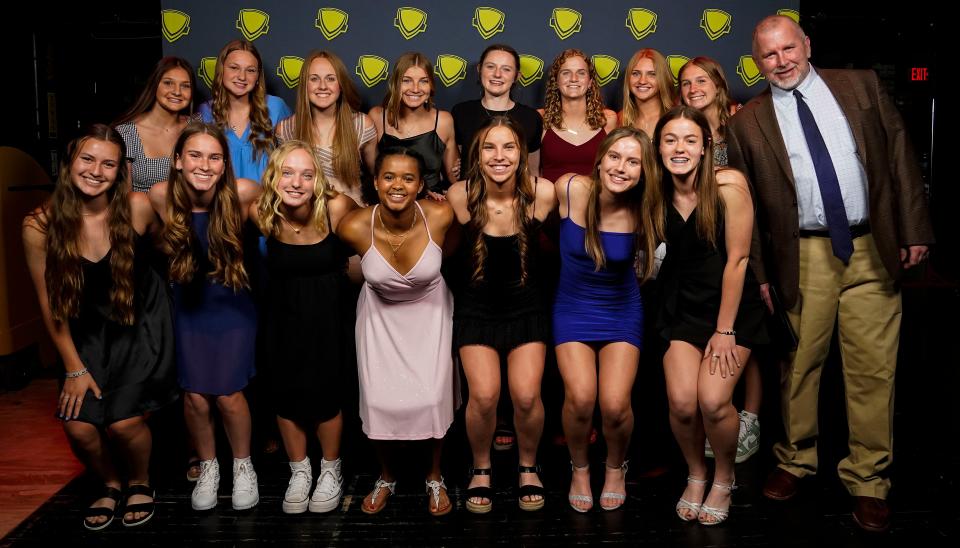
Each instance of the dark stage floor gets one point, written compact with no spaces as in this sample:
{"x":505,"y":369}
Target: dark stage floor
{"x":924,"y":478}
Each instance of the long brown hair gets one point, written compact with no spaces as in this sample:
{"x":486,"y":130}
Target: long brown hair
{"x":269,"y":216}
{"x":553,"y":103}
{"x":62,"y":222}
{"x":346,"y":145}
{"x":665,"y":86}
{"x":658,"y":196}
{"x":714,"y":71}
{"x":261,"y":128}
{"x":524,"y":196}
{"x":148,"y":96}
{"x":634,"y":196}
{"x":225,"y":251}
{"x":393,"y":100}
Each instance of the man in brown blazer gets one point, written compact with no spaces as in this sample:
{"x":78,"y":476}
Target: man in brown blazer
{"x":841,"y":213}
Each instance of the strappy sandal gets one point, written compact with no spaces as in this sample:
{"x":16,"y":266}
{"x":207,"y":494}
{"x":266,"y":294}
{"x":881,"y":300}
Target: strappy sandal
{"x":479,"y":493}
{"x":684,"y":504}
{"x":378,"y":487}
{"x":719,"y":515}
{"x":433,"y":492}
{"x":148,"y":507}
{"x":580,"y":498}
{"x":619,"y":498}
{"x":530,"y":491}
{"x":102,"y":511}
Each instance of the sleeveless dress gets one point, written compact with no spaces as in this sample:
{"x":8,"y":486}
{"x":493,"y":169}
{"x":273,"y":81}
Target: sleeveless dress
{"x":132,"y":364}
{"x":558,"y":156}
{"x":307,"y":327}
{"x":499,"y":311}
{"x":692,"y":277}
{"x":215,"y":327}
{"x":429,"y":145}
{"x":144,"y":172}
{"x":404,"y":358}
{"x":596,"y":305}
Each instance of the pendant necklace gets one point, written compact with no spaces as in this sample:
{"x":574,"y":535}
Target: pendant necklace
{"x":395,"y":247}
{"x":295,"y":228}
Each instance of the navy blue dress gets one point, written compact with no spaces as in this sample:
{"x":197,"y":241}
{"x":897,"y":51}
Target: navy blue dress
{"x":597,"y":306}
{"x":215,"y":328}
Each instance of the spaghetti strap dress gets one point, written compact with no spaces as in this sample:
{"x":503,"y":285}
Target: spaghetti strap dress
{"x":133,"y":365}
{"x":404,"y":358}
{"x":429,"y":145}
{"x":597,"y":305}
{"x":558,"y":156}
{"x":692,"y":278}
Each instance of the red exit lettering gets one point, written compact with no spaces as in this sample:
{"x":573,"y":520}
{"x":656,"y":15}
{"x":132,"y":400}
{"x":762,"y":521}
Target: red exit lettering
{"x":919,"y":74}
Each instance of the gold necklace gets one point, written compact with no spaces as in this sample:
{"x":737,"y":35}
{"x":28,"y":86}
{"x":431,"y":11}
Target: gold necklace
{"x":395,"y":248}
{"x":293,"y":226}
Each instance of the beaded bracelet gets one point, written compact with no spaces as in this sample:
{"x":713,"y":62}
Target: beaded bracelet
{"x":75,"y":374}
{"x":731,"y":332}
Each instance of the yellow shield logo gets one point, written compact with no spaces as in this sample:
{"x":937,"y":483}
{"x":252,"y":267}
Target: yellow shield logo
{"x":410,"y":22}
{"x":565,"y":22}
{"x":372,"y":69}
{"x":715,"y":23}
{"x":676,"y":62}
{"x":174,"y":24}
{"x":331,"y":22}
{"x":641,"y":22}
{"x":748,"y":70}
{"x":488,"y":21}
{"x":792,"y":14}
{"x":289,"y":70}
{"x":253,"y":23}
{"x":607,"y":67}
{"x":531,"y":69}
{"x":451,"y":69}
{"x":207,"y":69}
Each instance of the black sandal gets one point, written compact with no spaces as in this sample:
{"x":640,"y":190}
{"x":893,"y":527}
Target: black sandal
{"x":480,"y":493}
{"x":102,"y":511}
{"x":530,"y":490}
{"x":149,"y":507}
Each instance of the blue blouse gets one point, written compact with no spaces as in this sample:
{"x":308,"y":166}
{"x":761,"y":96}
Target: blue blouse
{"x":246,"y":163}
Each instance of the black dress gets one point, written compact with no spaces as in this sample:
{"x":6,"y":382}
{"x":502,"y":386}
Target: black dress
{"x":307,"y":327}
{"x":692,"y":277}
{"x":429,"y":145}
{"x":499,"y":311}
{"x":134,"y":365}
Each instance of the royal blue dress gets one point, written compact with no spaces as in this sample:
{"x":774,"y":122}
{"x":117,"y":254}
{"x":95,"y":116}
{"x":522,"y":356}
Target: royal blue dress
{"x":597,"y":306}
{"x":247,"y":163}
{"x":215,"y":328}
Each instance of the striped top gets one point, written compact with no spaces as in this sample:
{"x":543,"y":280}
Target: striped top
{"x":287,"y":131}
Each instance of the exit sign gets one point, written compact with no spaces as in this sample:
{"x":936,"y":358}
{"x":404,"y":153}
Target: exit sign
{"x":919,"y":74}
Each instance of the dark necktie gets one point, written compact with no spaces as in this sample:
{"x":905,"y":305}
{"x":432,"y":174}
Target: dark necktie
{"x":837,"y":224}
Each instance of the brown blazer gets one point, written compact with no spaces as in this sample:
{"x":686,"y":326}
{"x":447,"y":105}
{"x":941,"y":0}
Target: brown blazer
{"x":898,"y":204}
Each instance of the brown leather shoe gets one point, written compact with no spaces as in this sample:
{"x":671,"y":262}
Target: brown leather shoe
{"x":781,"y":485}
{"x":872,"y":514}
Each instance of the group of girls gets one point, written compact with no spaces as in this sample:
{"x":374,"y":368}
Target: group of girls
{"x":247,"y":168}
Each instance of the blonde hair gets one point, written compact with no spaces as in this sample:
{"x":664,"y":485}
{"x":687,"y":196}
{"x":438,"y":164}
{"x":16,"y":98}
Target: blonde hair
{"x":393,"y":100}
{"x":592,"y":241}
{"x":269,"y":216}
{"x":553,"y":102}
{"x":665,"y":86}
{"x":261,"y":128}
{"x":346,"y":144}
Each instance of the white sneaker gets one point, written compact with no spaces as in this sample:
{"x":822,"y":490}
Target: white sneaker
{"x":326,"y":496}
{"x":204,"y":495}
{"x":297,"y":497}
{"x":748,"y":439}
{"x":245,"y":492}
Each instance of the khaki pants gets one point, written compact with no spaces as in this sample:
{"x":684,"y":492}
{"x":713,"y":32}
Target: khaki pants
{"x":862,"y":297}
